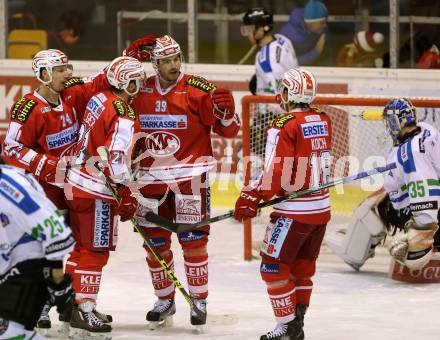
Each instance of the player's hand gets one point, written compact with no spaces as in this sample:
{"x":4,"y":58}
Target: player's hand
{"x":246,"y":205}
{"x":127,"y":205}
{"x":44,"y":167}
{"x":223,"y":102}
{"x":320,"y":44}
{"x":61,"y":294}
{"x":140,"y":48}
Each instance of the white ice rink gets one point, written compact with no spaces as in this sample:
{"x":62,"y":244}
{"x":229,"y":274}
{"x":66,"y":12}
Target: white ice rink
{"x":345,"y":305}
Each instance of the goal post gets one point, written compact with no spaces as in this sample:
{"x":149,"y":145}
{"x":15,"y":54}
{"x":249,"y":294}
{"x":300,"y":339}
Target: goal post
{"x":358,"y":134}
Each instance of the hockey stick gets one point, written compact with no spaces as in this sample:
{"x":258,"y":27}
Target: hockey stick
{"x":180,"y":227}
{"x":225,"y":319}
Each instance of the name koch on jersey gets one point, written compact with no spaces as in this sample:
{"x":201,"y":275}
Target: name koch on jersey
{"x":62,"y":138}
{"x":157,"y":121}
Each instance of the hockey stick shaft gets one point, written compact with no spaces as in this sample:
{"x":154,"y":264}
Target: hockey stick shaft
{"x":180,"y":228}
{"x":104,"y":154}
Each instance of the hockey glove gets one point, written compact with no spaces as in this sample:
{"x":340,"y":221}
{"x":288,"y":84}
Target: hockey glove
{"x":44,"y":167}
{"x":61,"y":295}
{"x":140,"y":48}
{"x":223,"y":102}
{"x":247,"y":204}
{"x":127,"y":205}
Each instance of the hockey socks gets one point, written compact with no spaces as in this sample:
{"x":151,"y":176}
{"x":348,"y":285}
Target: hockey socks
{"x":163,"y":286}
{"x":196,"y":269}
{"x":283,"y":300}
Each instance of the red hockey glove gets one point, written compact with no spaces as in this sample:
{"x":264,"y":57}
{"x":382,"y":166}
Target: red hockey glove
{"x":140,"y":48}
{"x":224,"y":108}
{"x":44,"y":167}
{"x":247,"y":204}
{"x":127,"y":204}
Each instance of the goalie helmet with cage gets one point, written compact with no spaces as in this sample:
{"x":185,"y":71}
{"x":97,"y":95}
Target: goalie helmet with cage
{"x":297,"y":86}
{"x":398,"y":113}
{"x":48,"y":59}
{"x":122,"y":71}
{"x":165,"y":47}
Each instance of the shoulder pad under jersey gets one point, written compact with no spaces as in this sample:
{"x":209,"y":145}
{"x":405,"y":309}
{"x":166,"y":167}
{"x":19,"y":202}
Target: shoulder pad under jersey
{"x":72,"y":82}
{"x":123,"y":109}
{"x":22,"y":109}
{"x":280,"y":121}
{"x":200,"y":83}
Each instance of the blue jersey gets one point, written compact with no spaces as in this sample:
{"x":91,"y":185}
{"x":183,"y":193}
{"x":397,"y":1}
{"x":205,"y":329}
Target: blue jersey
{"x":30,"y":225}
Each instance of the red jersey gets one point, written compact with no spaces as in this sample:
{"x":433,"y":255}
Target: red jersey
{"x":176,"y":124}
{"x":111,"y":122}
{"x":37,"y":127}
{"x":298,"y":157}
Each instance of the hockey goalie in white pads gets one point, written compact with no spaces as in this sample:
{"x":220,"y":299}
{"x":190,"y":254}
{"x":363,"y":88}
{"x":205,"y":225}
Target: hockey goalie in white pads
{"x":414,"y":182}
{"x":414,"y":190}
{"x":365,"y":231}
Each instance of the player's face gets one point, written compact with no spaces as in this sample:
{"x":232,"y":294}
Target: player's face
{"x":316,"y":27}
{"x":169,"y":68}
{"x":60,"y":74}
{"x":252,"y":34}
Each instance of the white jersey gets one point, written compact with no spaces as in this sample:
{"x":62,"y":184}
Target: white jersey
{"x":415,"y":181}
{"x":271,"y":62}
{"x":31,"y":227}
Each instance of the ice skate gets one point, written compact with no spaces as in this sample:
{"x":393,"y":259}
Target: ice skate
{"x":44,"y":324}
{"x":84,"y":324}
{"x":162,"y":314}
{"x":286,"y":331}
{"x":197,"y":320}
{"x":106,"y":318}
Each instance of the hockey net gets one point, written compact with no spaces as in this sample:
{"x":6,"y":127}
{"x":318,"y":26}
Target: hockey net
{"x":360,"y":142}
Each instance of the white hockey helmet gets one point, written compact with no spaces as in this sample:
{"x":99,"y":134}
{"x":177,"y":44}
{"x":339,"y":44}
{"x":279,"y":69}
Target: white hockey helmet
{"x":122,"y":71}
{"x":48,"y":59}
{"x":165,"y":47}
{"x":300,"y":85}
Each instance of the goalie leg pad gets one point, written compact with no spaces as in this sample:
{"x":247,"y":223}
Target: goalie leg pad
{"x":23,"y":293}
{"x":365,"y":230}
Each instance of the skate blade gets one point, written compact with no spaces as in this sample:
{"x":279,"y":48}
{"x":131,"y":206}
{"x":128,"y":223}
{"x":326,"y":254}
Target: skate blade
{"x":44,"y":332}
{"x":63,"y":329}
{"x":222,"y":319}
{"x":168,"y":322}
{"x":199,"y":329}
{"x":82,"y":334}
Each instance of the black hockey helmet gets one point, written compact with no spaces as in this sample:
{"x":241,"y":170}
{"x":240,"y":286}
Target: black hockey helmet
{"x":258,"y":17}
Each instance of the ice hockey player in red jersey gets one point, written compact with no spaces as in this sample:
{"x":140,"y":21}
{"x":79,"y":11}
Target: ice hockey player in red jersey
{"x":298,"y":156}
{"x":44,"y":125}
{"x":108,"y":121}
{"x":177,"y":113}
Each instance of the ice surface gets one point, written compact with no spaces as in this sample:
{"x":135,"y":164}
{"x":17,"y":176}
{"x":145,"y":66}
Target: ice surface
{"x":346,"y":305}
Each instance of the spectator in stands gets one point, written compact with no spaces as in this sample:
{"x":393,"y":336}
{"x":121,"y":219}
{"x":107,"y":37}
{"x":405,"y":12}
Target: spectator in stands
{"x":364,"y":51}
{"x":307,"y":29}
{"x":430,"y":58}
